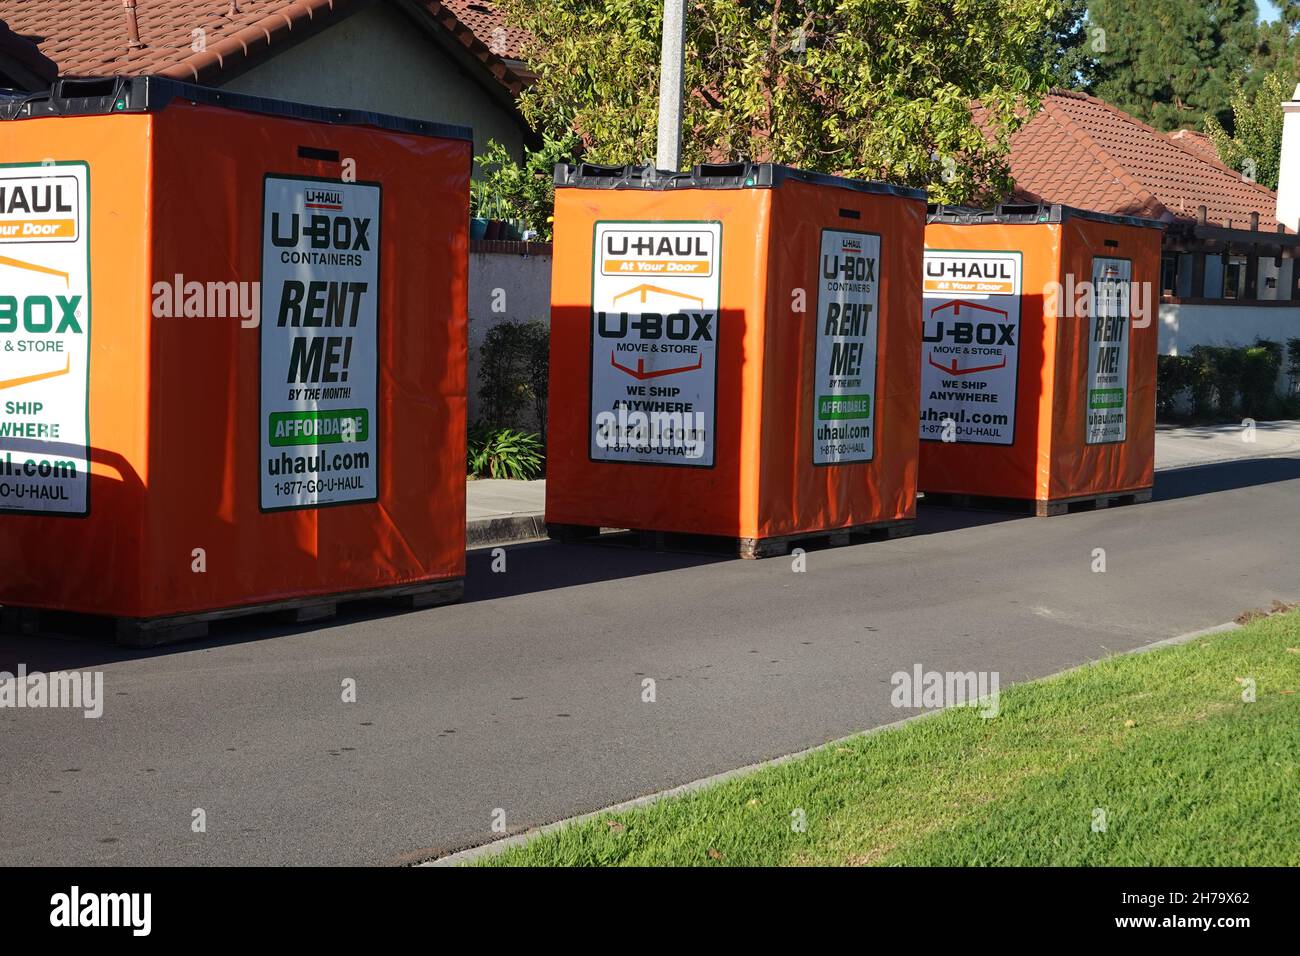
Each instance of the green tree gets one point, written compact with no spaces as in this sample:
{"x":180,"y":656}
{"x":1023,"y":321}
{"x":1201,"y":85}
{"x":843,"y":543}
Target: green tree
{"x":1171,"y":63}
{"x":1277,"y":49}
{"x":1254,"y":147}
{"x":868,"y":88}
{"x":1066,"y":47}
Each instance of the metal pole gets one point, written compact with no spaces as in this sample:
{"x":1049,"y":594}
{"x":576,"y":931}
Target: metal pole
{"x":671,"y":71}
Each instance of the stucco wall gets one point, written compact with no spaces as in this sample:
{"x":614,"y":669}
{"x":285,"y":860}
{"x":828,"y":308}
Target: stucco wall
{"x":379,"y":59}
{"x":1183,"y":326}
{"x":519,"y":285}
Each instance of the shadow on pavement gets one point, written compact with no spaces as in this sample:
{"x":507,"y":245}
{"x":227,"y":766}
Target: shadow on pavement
{"x":92,"y":643}
{"x":533,"y":567}
{"x":545,"y":565}
{"x":616,"y":556}
{"x":569,"y":565}
{"x":1223,"y":476}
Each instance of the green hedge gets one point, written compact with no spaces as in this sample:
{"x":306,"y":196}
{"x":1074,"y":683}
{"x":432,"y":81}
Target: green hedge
{"x":1219,"y":381}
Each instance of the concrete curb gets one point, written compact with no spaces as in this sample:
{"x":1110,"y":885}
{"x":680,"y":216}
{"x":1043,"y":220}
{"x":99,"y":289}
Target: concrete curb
{"x":1207,"y":462}
{"x":496,"y":847}
{"x":510,"y":529}
{"x":1186,"y":638}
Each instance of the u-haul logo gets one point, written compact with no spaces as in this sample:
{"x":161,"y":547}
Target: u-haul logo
{"x":40,"y":209}
{"x":323,"y":199}
{"x":683,"y":252}
{"x":970,"y":275}
{"x":851,"y":246}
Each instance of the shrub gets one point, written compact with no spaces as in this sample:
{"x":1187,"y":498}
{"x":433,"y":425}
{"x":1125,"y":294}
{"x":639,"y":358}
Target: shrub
{"x":504,"y":453}
{"x":1223,"y":366}
{"x":1175,"y":375}
{"x":1257,"y":381}
{"x":1293,"y":363}
{"x":1202,"y":382}
{"x":514,"y":375}
{"x":1223,"y":380}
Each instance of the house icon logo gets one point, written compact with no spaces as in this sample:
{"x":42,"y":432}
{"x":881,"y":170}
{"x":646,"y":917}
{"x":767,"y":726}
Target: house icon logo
{"x":969,"y":323}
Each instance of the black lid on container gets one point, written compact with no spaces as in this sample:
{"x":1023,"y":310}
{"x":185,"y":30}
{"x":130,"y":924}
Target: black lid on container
{"x":741,"y":175}
{"x":1027,"y":214}
{"x":150,"y":94}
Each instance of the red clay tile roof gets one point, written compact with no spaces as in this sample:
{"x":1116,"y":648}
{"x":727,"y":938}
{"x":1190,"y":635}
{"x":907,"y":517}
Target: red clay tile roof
{"x":89,"y":37}
{"x":489,"y":25}
{"x":1198,"y":144}
{"x":483,"y":47}
{"x":1081,"y":151}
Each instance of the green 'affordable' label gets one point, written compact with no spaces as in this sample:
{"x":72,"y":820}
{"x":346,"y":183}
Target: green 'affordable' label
{"x":1106,"y":398}
{"x":325,"y":427}
{"x":838,"y":407}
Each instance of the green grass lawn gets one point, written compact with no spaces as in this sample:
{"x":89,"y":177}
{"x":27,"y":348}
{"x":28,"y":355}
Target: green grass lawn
{"x":1186,"y":772}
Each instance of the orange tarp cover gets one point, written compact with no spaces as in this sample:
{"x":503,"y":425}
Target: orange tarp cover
{"x":1050,"y":455}
{"x":758,"y":477}
{"x":177,"y":518}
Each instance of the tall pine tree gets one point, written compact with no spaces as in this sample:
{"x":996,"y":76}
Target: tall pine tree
{"x":1172,"y":63}
{"x":1278,"y":49}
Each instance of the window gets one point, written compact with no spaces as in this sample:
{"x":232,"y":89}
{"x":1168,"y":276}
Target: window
{"x":1234,"y":277}
{"x":1213,"y":277}
{"x":1168,"y":274}
{"x":1186,"y":268}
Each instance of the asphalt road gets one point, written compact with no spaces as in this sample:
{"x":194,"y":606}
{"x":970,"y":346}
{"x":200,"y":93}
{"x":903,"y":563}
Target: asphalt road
{"x":528,"y":697}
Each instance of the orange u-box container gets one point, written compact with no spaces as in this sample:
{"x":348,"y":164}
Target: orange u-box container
{"x":1038,"y":359}
{"x":734,"y":352}
{"x":232,"y":356}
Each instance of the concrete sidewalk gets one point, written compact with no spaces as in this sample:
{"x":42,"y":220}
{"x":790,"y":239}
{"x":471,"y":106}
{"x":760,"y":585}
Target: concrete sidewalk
{"x":499,"y":511}
{"x":503,"y":512}
{"x":1184,"y":446}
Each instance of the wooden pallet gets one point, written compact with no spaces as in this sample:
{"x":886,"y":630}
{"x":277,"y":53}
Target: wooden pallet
{"x":151,"y":632}
{"x":1043,"y":509}
{"x":721,"y":544}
